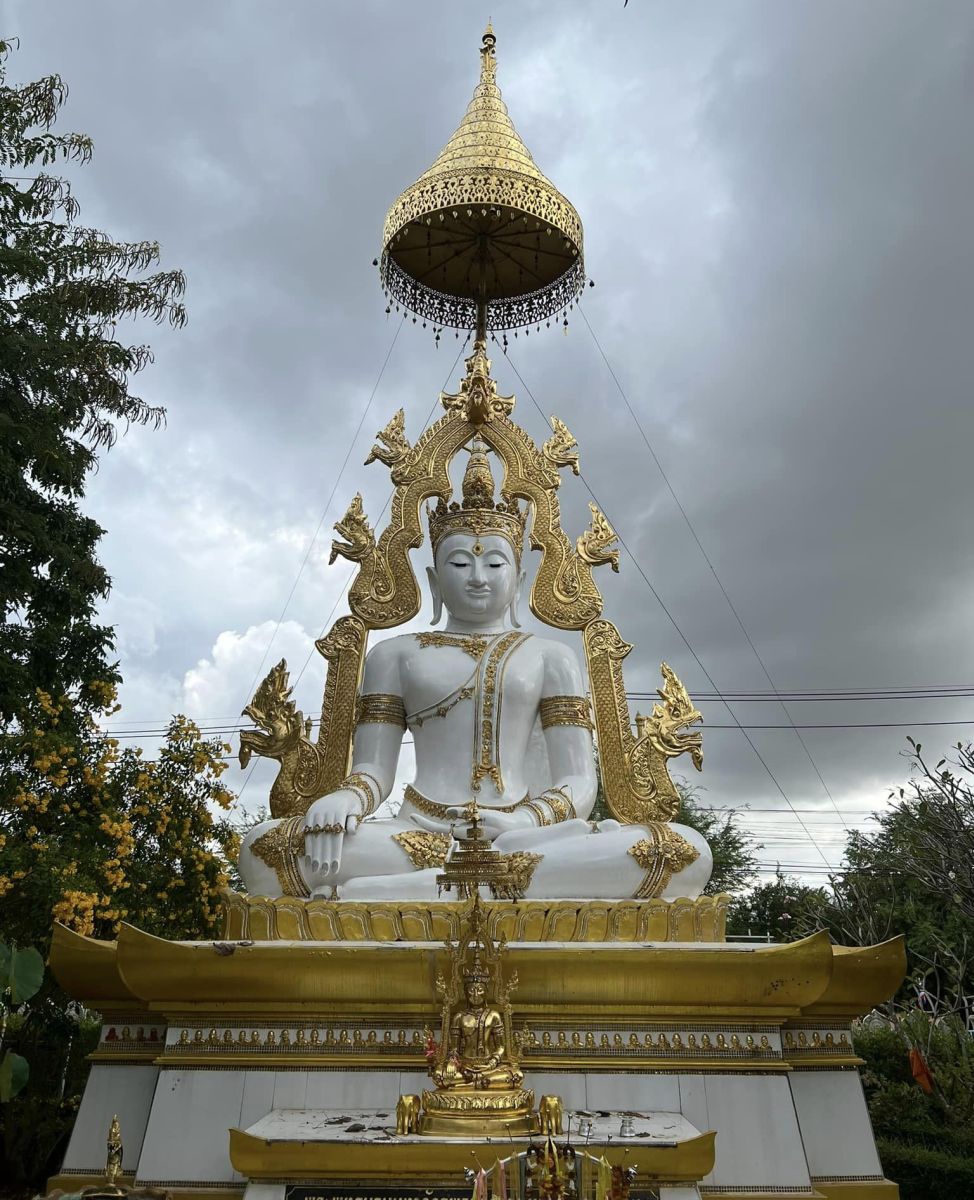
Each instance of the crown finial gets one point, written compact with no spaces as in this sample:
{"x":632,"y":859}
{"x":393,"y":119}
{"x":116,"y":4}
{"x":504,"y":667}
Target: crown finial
{"x":488,"y":58}
{"x":478,"y":479}
{"x":478,"y":515}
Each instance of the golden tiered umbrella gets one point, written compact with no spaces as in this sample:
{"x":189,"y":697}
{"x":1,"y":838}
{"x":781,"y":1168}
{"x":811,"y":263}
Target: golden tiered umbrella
{"x":483,"y":240}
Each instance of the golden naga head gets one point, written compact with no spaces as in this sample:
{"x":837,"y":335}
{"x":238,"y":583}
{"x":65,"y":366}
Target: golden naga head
{"x":672,"y":714}
{"x":276,"y":713}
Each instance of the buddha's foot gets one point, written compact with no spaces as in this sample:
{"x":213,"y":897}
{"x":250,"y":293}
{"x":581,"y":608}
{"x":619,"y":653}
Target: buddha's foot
{"x":407,"y":885}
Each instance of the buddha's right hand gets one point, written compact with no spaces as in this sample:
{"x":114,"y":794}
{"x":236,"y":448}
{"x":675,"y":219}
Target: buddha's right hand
{"x":325,"y":824}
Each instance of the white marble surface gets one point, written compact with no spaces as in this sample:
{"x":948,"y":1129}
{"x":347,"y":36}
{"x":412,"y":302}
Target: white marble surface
{"x":187,"y":1138}
{"x":835,"y":1123}
{"x":367,"y":1126}
{"x":759,"y":1144}
{"x":766,"y":1123}
{"x":195,"y":1110}
{"x":125,"y":1089}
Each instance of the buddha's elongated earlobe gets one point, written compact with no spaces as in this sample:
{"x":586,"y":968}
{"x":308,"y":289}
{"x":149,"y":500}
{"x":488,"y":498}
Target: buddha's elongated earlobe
{"x":515,"y":601}
{"x":435,"y":594}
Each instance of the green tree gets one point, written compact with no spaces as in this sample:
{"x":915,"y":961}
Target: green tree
{"x":94,"y":835}
{"x":735,"y":865}
{"x":64,"y":392}
{"x":780,"y":911}
{"x":911,"y":874}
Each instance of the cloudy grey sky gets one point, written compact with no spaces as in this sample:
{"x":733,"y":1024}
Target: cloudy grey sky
{"x":776,"y":199}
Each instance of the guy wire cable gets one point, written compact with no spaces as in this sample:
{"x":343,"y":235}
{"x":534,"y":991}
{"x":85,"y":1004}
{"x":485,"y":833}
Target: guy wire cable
{"x":706,"y":556}
{"x":348,"y":581}
{"x":673,"y":622}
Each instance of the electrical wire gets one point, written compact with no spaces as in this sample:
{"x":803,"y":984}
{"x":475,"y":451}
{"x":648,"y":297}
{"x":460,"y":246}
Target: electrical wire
{"x":327,"y":506}
{"x":706,"y":556}
{"x":830,"y":697}
{"x":236,"y":727}
{"x":348,"y":581}
{"x":673,"y":622}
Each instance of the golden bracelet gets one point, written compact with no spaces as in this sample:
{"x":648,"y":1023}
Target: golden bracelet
{"x":380,"y":708}
{"x":565,"y":710}
{"x":561,"y":806}
{"x":362,"y":783}
{"x":538,"y":811}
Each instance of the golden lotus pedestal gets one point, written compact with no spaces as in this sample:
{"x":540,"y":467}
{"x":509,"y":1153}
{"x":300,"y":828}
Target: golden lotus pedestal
{"x":493,"y":1114}
{"x":209,"y":1049}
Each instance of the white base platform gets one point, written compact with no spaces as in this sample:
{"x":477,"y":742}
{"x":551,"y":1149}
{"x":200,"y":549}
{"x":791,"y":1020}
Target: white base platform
{"x":777,"y":1133}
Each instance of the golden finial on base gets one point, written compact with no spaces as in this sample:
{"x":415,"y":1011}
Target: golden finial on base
{"x":113,"y":1167}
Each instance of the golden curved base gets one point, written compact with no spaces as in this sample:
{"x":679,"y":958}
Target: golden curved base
{"x":260,"y":919}
{"x":480,"y":1114}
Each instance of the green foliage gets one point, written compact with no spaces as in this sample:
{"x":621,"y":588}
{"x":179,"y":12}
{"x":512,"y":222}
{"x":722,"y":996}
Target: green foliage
{"x":14,"y":1073}
{"x":36,"y":1124}
{"x":901,"y":877}
{"x":781,"y":911}
{"x":64,"y":390}
{"x":735,"y":865}
{"x":21,"y":972}
{"x":884,"y":1053}
{"x":94,"y":835}
{"x":926,"y":1142}
{"x":924,"y":1174}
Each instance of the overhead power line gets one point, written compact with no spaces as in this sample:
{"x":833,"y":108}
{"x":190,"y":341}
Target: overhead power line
{"x":341,"y":595}
{"x":706,"y":557}
{"x":701,"y":697}
{"x":327,"y":506}
{"x":659,"y":600}
{"x":230,"y":727}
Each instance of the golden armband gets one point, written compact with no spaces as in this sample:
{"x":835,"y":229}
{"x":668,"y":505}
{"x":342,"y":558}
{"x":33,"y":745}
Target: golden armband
{"x":381,"y":708}
{"x":565,"y":710}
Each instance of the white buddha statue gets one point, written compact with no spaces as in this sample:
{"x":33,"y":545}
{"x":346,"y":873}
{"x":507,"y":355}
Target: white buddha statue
{"x":495,"y":713}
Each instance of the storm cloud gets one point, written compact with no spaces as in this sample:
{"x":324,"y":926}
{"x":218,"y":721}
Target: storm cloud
{"x":776,"y":201}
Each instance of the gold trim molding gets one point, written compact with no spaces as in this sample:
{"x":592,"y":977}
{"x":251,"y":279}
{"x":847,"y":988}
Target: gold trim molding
{"x":606,"y":981}
{"x":418,"y":1160}
{"x":386,"y":983}
{"x":258,"y":918}
{"x":856,"y":1189}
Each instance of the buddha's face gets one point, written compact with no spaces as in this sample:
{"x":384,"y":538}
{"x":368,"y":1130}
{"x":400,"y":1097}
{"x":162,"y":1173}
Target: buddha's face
{"x":477,"y":577}
{"x":475,"y":993}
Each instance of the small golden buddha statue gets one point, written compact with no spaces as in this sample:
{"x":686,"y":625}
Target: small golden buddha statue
{"x":475,"y":1064}
{"x":477,"y":1058}
{"x":113,"y":1167}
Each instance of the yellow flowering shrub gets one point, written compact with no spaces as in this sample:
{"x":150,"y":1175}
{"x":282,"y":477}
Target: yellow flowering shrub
{"x":92,"y":834}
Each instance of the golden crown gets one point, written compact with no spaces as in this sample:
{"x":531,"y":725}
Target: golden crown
{"x":478,"y":514}
{"x":475,"y":971}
